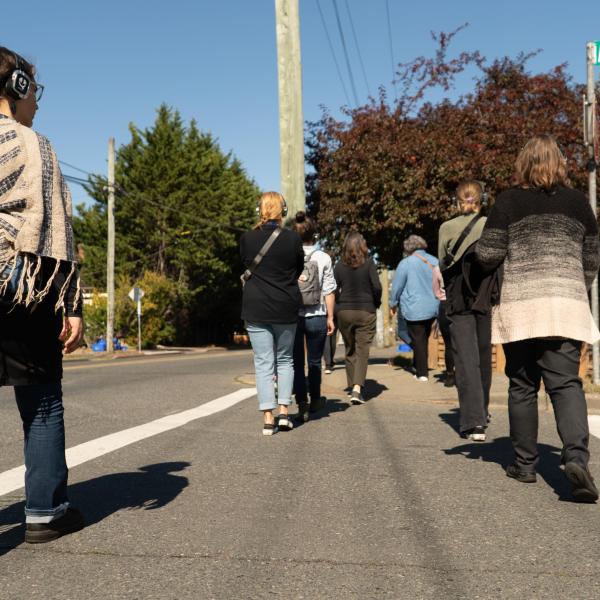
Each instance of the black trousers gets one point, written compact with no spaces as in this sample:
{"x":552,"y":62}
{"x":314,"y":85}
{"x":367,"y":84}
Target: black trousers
{"x":444,"y":324}
{"x":556,"y":362}
{"x":472,"y":348}
{"x":419,"y":333}
{"x":330,"y":348}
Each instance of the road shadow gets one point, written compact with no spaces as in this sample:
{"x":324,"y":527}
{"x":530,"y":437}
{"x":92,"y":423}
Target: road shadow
{"x":332,"y":405}
{"x":500,"y":451}
{"x":373,"y":389}
{"x":149,"y":488}
{"x":452,"y":419}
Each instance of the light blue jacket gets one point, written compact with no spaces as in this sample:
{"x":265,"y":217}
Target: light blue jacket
{"x":412,"y":288}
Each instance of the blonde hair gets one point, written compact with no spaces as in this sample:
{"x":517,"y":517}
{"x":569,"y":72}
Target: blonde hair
{"x":469,"y":194}
{"x":541,"y":164}
{"x":270,"y":208}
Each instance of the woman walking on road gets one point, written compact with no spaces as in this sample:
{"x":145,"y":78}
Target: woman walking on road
{"x":470,"y":329}
{"x":40,"y":298}
{"x":315,"y":322}
{"x":546,"y":236}
{"x":412,"y":290}
{"x":274,"y":260}
{"x":358,"y":298}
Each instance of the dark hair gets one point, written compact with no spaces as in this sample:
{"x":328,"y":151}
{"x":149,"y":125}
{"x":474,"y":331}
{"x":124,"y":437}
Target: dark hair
{"x":8,"y":64}
{"x":355,"y":251}
{"x":304,"y":226}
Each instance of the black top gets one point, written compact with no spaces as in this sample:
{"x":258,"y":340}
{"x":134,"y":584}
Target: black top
{"x":358,"y":289}
{"x":271,"y":295}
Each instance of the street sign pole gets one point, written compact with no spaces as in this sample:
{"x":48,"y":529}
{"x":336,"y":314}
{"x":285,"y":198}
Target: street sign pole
{"x":136,"y":294}
{"x":589,"y":127}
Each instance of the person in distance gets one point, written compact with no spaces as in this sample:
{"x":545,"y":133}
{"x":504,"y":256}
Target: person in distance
{"x":40,"y":297}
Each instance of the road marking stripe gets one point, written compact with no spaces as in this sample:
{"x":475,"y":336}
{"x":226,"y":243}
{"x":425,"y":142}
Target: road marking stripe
{"x":594,"y":421}
{"x":12,"y":480}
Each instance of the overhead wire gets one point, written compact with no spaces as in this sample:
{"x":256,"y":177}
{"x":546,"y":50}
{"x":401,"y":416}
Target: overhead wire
{"x":362,"y":65}
{"x":345,"y":49}
{"x":389,"y":28}
{"x":337,"y":65}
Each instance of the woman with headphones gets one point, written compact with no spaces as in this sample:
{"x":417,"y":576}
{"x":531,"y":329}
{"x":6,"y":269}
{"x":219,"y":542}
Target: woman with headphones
{"x":274,"y":260}
{"x":40,"y":297}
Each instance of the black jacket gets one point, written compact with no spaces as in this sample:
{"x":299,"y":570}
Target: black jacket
{"x":469,"y":287}
{"x":271,"y":295}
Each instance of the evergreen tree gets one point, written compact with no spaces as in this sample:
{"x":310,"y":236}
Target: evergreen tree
{"x":181,"y":204}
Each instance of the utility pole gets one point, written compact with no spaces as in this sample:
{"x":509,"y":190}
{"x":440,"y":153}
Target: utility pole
{"x":110,"y":251}
{"x":590,"y":139}
{"x":291,"y":120}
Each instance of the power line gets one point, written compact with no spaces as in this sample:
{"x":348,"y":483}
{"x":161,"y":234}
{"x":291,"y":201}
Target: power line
{"x":362,"y":66}
{"x":62,"y":162}
{"x":339,"y":24}
{"x":389,"y":27}
{"x":337,"y":66}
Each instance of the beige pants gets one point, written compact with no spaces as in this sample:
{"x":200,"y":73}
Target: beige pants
{"x":358,"y":329}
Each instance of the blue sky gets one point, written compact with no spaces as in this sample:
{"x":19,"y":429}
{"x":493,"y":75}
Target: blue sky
{"x":107,"y":63}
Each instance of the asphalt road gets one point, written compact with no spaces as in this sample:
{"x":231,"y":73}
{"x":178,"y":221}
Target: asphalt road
{"x":376,"y":501}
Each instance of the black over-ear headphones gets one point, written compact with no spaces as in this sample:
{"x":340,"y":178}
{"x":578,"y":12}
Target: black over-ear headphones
{"x":284,"y":210}
{"x":19,"y":82}
{"x":485,"y":198}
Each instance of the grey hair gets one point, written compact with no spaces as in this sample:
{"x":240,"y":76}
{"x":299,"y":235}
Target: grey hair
{"x":414,"y":242}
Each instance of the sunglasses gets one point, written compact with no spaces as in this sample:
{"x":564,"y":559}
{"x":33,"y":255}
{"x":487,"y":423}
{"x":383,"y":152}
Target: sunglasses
{"x":38,"y":90}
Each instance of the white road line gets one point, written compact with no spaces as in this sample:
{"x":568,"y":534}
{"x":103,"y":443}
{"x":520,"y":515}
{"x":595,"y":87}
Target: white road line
{"x":594,"y":421}
{"x":12,"y":480}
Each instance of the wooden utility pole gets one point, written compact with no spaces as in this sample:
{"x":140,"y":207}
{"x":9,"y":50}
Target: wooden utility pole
{"x":590,"y":138}
{"x":110,"y":251}
{"x":291,"y":120}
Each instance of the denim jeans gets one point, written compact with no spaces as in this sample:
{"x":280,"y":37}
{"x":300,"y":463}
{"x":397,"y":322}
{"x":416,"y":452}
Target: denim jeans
{"x":314,"y":331}
{"x":273,"y":346}
{"x":46,"y":471}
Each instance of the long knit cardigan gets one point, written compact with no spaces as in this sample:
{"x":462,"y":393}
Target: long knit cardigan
{"x":548,"y":242}
{"x":35,"y":215}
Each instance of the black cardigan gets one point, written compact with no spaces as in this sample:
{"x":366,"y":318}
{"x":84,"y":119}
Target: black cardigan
{"x":271,"y":295}
{"x":358,"y":289}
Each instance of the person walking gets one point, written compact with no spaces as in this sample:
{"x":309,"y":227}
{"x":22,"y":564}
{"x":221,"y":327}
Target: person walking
{"x":40,"y":297}
{"x":315,"y":321}
{"x":412,"y":290}
{"x":274,"y":260}
{"x":470,"y":330}
{"x":358,"y":298}
{"x":545,"y":235}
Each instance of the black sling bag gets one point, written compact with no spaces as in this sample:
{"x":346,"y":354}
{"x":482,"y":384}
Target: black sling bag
{"x":261,"y":254}
{"x":449,"y":258}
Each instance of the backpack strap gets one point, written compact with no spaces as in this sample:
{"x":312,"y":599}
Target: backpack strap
{"x":261,"y":254}
{"x":461,"y":238}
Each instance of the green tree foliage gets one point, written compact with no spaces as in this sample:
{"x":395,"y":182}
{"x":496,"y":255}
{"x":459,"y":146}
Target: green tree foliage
{"x":180,"y":206}
{"x":391,"y":169}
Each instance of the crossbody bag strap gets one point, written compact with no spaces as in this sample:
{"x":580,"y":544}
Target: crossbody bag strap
{"x":261,"y":254}
{"x":463,"y":236}
{"x":424,"y":260}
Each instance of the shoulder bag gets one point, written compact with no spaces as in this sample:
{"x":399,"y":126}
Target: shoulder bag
{"x":261,"y":254}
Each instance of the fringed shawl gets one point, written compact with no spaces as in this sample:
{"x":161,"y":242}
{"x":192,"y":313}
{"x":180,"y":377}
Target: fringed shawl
{"x":35,"y":215}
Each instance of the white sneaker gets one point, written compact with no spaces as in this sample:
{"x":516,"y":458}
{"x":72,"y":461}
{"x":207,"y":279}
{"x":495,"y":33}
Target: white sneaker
{"x":477,"y":435}
{"x":327,"y":371}
{"x":424,"y":379}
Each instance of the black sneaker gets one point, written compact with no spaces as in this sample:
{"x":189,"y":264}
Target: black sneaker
{"x":357,"y":398}
{"x":449,"y":380}
{"x":285,"y":423}
{"x":303,"y":415}
{"x":317,"y":405}
{"x":39,"y":533}
{"x":584,"y":489}
{"x":522,"y":476}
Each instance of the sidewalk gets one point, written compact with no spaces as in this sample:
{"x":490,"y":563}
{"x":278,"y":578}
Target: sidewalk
{"x":397,"y":384}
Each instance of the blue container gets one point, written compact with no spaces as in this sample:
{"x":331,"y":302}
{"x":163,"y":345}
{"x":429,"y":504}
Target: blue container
{"x":404,"y":348}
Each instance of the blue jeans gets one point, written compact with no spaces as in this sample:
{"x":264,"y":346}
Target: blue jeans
{"x":273,"y":345}
{"x":314,"y":331}
{"x":46,"y":471}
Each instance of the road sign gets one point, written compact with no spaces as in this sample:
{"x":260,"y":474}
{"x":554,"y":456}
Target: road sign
{"x":597,"y":53}
{"x":136,"y":293}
